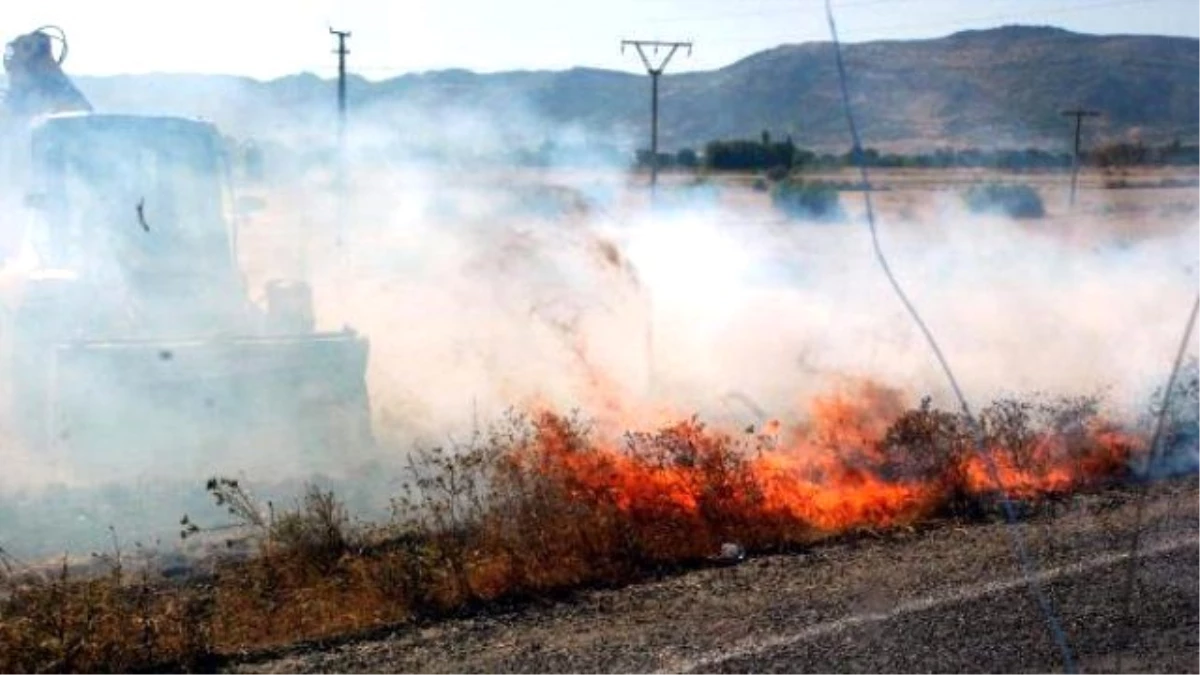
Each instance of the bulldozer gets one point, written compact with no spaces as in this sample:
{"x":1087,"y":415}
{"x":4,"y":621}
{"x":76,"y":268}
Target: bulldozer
{"x":129,"y":337}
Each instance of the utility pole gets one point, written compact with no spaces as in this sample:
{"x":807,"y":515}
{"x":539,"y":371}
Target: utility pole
{"x":341,"y":51}
{"x":1078,"y":114}
{"x":655,"y":72}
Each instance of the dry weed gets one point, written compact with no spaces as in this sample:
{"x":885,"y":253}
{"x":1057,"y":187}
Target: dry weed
{"x":535,"y":505}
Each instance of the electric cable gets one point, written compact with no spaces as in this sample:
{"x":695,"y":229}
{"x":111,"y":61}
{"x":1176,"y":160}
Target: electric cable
{"x":1143,"y":486}
{"x":1027,"y":564}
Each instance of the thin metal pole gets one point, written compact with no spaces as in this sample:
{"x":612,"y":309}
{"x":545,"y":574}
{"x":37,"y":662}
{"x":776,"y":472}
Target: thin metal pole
{"x":341,"y":52}
{"x":1075,"y":160}
{"x":654,"y":75}
{"x":1078,"y":114}
{"x":655,"y":72}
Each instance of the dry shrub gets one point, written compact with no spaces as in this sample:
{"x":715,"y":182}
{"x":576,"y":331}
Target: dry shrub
{"x":1033,"y":450}
{"x":318,"y":532}
{"x":535,"y":505}
{"x":62,"y":623}
{"x":726,"y":499}
{"x":538,"y":504}
{"x":930,"y":445}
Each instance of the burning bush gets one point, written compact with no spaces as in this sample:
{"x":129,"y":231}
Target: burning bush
{"x":931,"y":446}
{"x":1009,"y":199}
{"x":675,"y":493}
{"x":543,"y":502}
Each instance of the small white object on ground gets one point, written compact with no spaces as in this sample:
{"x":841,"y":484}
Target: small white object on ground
{"x":731,"y":552}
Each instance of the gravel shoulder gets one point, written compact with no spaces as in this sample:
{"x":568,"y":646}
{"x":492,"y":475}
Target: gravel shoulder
{"x":947,"y":598}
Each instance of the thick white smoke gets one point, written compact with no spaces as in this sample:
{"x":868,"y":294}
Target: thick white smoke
{"x":483,"y":290}
{"x":482,"y":286}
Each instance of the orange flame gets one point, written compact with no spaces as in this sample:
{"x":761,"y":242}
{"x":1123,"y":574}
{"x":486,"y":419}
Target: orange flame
{"x":830,"y":474}
{"x":1054,"y":465}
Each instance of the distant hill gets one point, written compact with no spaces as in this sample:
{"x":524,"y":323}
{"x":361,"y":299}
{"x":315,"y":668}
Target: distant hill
{"x":998,"y":87}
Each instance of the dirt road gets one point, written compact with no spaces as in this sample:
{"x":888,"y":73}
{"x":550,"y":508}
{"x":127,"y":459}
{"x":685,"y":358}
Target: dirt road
{"x":948,"y":598}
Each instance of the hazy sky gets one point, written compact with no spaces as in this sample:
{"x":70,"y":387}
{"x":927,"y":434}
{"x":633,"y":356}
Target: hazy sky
{"x":267,"y":39}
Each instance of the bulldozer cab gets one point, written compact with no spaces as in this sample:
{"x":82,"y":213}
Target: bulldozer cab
{"x":128,"y":342}
{"x":149,"y":188}
{"x":140,"y":206}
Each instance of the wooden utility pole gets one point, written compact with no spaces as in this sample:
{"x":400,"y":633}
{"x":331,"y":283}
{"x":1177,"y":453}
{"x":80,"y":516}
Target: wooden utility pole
{"x":1078,"y":114}
{"x":655,"y":72}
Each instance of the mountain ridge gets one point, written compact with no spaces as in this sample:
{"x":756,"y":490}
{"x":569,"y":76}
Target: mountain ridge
{"x":1003,"y":86}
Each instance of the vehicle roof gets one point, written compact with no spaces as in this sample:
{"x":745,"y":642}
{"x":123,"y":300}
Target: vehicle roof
{"x":90,"y":121}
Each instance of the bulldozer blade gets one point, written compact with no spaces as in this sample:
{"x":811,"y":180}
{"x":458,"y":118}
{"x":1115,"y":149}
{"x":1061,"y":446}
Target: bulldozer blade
{"x":143,"y":407}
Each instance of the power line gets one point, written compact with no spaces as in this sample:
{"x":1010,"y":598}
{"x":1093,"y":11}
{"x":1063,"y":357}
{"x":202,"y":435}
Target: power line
{"x":1078,"y":114}
{"x":655,"y":72}
{"x":1024,"y":559}
{"x":341,"y":51}
{"x":1143,"y":485}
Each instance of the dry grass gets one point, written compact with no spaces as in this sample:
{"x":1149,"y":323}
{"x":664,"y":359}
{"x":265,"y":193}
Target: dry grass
{"x":535,"y":506}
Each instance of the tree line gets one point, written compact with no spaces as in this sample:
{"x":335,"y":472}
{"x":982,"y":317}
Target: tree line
{"x":765,"y":154}
{"x":256,"y":157}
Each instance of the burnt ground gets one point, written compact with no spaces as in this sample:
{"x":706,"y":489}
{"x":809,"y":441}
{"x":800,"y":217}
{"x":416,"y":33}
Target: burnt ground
{"x":948,"y":598}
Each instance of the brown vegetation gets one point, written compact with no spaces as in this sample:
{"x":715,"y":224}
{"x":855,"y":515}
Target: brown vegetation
{"x":541,"y":504}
